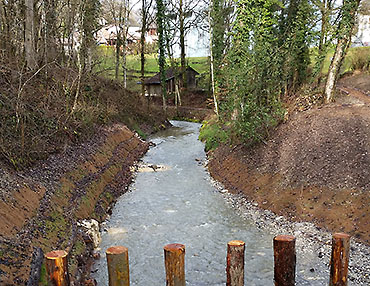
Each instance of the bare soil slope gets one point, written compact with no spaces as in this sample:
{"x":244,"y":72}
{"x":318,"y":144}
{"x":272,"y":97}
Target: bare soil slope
{"x":316,"y":167}
{"x":40,"y":206}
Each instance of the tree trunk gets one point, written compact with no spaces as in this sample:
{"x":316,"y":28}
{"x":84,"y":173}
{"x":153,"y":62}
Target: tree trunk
{"x":162,"y":54}
{"x":212,"y":74}
{"x":339,"y":260}
{"x":124,"y":42}
{"x":345,"y":28}
{"x":29,"y":44}
{"x":334,"y":70}
{"x":142,"y":47}
{"x":325,"y":10}
{"x":2,"y":27}
{"x":50,"y":31}
{"x":182,"y":45}
{"x":118,"y":47}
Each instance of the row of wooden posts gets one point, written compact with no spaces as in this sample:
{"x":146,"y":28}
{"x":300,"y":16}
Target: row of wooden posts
{"x":174,"y":256}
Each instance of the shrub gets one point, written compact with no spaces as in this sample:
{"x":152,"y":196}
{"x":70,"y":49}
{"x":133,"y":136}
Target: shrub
{"x":212,"y":134}
{"x":360,"y":59}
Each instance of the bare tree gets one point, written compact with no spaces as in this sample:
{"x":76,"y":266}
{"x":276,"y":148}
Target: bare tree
{"x":146,"y":21}
{"x":182,"y":16}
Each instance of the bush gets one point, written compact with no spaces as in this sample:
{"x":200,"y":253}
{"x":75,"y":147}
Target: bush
{"x":360,"y":59}
{"x":39,"y":119}
{"x":212,"y":134}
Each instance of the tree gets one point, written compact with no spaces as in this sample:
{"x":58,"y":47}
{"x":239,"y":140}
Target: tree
{"x":29,"y":43}
{"x":182,"y":16}
{"x":252,"y":82}
{"x":162,"y":49}
{"x":294,"y":41}
{"x":326,"y":9}
{"x":344,"y":31}
{"x":221,"y":13}
{"x":115,"y":12}
{"x":146,"y":21}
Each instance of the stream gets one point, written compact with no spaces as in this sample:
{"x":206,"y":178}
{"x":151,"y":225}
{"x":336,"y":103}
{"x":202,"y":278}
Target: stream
{"x":175,"y":201}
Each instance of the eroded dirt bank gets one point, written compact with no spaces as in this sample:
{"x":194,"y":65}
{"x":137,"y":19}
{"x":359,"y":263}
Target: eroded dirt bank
{"x":315,"y":168}
{"x":40,"y":207}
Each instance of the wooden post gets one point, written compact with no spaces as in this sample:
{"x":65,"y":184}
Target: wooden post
{"x":235,"y":263}
{"x":118,"y":266}
{"x":57,"y":268}
{"x":174,"y":260}
{"x":284,"y":260}
{"x":339,"y":259}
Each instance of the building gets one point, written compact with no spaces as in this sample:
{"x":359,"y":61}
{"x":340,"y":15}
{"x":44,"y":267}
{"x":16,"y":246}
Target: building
{"x":153,"y":84}
{"x":362,"y":37}
{"x":108,"y":35}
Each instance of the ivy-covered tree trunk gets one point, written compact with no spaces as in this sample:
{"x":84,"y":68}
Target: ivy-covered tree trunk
{"x":162,"y":50}
{"x":293,"y":38}
{"x":50,"y":31}
{"x":325,"y":8}
{"x":29,"y":43}
{"x":182,"y":44}
{"x":218,"y":31}
{"x":217,"y":44}
{"x":344,"y":32}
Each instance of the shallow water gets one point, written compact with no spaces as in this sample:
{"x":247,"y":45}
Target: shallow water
{"x":179,"y":204}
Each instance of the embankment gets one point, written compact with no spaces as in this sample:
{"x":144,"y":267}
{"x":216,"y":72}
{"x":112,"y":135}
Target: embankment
{"x":41,"y":206}
{"x":314,"y":168}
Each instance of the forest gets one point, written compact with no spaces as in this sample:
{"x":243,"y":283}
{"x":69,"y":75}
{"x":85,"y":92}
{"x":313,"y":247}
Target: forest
{"x":263,"y":55}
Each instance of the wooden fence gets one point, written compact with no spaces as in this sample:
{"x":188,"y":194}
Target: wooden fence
{"x":174,"y":256}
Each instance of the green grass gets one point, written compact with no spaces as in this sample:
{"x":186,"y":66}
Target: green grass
{"x":43,"y":276}
{"x":107,"y":62}
{"x":213,"y":135}
{"x":347,"y":64}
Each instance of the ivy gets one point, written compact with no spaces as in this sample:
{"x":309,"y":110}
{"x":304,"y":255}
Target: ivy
{"x":268,"y":59}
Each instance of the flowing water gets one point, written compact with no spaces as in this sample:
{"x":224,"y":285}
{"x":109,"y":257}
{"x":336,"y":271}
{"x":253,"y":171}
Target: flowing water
{"x":178,"y":203}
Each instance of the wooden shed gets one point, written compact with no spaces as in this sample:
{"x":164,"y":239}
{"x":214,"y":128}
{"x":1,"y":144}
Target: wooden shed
{"x":153,"y":84}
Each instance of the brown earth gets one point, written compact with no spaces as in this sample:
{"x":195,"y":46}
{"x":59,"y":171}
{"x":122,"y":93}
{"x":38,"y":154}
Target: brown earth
{"x":41,"y":206}
{"x":316,"y":166}
{"x":195,"y":105}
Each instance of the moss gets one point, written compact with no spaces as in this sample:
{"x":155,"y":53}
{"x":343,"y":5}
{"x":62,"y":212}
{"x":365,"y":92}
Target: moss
{"x":43,"y":276}
{"x":96,"y":188}
{"x":141,"y":133}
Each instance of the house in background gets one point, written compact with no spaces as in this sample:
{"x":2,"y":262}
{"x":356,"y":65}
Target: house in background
{"x":362,"y":37}
{"x":153,"y":84}
{"x":107,"y":35}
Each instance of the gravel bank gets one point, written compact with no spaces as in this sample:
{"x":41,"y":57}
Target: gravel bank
{"x":310,"y":239}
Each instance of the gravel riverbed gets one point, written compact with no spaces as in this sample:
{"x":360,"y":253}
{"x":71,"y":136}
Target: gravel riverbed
{"x":310,"y":239}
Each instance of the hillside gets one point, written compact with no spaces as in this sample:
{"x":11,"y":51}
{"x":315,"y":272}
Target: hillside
{"x":314,"y":168}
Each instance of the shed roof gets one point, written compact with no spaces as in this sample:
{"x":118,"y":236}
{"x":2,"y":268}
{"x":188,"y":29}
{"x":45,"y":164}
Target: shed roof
{"x":170,"y":73}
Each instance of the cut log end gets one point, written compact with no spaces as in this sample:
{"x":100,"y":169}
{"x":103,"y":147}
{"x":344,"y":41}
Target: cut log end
{"x":236,"y":243}
{"x":175,"y":247}
{"x":341,"y":235}
{"x":116,"y":250}
{"x":284,"y":238}
{"x":56,"y":254}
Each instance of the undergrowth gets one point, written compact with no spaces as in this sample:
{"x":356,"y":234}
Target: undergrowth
{"x":41,"y":113}
{"x":213,"y":135}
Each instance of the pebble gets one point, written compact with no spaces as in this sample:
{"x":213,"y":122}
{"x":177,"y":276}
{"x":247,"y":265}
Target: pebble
{"x":309,"y":237}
